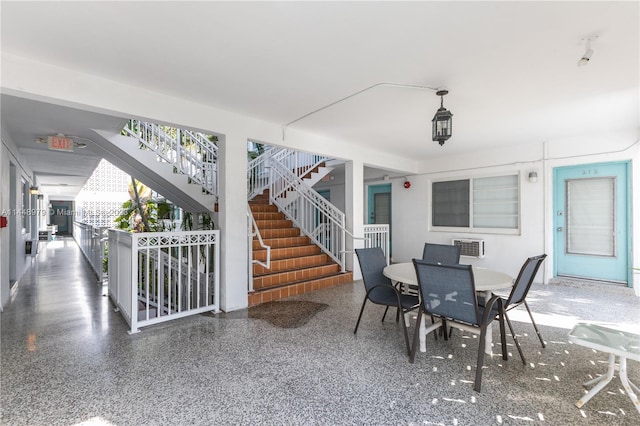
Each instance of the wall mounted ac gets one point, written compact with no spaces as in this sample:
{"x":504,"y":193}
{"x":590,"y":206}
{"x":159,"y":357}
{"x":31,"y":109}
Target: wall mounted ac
{"x":470,"y":248}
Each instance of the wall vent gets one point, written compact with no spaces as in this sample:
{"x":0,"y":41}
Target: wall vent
{"x":470,"y":248}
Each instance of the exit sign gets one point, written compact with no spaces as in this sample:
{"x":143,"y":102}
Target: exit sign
{"x":60,"y":143}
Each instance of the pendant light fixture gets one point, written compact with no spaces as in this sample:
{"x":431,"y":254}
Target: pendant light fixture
{"x":442,"y":122}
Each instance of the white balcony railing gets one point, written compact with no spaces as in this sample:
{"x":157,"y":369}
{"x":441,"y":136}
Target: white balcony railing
{"x":190,"y":153}
{"x":377,"y":236}
{"x":160,"y":276}
{"x":92,"y":241}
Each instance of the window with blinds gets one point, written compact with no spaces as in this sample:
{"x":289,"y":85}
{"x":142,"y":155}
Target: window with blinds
{"x":477,"y":203}
{"x":591,"y":216}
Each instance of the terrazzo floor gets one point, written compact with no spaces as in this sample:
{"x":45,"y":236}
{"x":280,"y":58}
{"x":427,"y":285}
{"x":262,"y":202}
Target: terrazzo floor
{"x":67,"y":359}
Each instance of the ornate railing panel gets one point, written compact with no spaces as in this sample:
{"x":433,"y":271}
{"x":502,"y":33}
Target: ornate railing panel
{"x":160,"y":276}
{"x":190,"y":153}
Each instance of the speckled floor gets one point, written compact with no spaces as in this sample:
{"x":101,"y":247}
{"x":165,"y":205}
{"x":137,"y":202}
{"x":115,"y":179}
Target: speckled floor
{"x":67,"y":359}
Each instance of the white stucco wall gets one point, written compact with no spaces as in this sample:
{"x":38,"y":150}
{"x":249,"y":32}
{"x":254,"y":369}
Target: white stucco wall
{"x":9,"y":155}
{"x":410,"y":207}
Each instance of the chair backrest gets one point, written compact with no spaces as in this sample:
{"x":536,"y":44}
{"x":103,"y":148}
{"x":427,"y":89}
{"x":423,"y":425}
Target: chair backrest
{"x":372,"y":262}
{"x":441,"y":254}
{"x":525,"y":279}
{"x":448,"y":291}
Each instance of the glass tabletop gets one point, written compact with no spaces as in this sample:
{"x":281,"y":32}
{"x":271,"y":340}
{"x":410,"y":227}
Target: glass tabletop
{"x":607,"y":338}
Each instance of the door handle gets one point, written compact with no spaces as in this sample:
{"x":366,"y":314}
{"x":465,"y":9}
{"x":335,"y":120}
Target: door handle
{"x":559,"y":229}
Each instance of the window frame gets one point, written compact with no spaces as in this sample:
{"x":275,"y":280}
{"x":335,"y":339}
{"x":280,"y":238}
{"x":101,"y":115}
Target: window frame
{"x":476,"y":229}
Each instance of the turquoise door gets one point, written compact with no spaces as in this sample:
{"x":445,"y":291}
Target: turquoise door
{"x":379,"y":204}
{"x":379,"y":207}
{"x":591,"y":222}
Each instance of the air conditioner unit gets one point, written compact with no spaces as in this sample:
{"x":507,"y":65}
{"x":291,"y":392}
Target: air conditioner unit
{"x":470,"y":248}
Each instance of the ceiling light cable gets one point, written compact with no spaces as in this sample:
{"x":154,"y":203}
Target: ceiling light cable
{"x":411,"y":86}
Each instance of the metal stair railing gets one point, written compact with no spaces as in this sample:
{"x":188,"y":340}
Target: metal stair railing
{"x":254,"y":232}
{"x":190,"y":153}
{"x":300,"y":163}
{"x":316,"y":217}
{"x":258,"y":173}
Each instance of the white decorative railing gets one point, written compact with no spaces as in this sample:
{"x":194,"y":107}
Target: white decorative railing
{"x":299,"y":163}
{"x":377,"y":236}
{"x":92,"y":241}
{"x":254,"y":232}
{"x":190,"y":153}
{"x":309,"y":211}
{"x":258,"y":173}
{"x":160,"y":276}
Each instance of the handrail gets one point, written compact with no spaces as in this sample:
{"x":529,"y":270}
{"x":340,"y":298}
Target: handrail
{"x":321,"y":221}
{"x":191,"y":153}
{"x":258,"y":173}
{"x":255,"y":232}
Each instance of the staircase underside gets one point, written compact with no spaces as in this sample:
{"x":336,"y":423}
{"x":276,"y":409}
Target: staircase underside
{"x":297,"y":265}
{"x":123,"y":152}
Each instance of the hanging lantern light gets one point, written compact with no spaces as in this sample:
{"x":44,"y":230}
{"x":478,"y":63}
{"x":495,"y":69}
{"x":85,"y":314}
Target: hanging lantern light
{"x":442,"y":121}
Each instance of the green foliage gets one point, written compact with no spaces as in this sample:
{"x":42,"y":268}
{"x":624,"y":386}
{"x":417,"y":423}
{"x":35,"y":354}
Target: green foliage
{"x":204,"y":222}
{"x":131,"y":218}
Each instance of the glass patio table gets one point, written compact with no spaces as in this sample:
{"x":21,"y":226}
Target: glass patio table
{"x":619,"y":343}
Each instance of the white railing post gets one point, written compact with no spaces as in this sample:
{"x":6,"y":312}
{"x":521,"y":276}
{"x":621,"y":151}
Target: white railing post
{"x":133,"y":288}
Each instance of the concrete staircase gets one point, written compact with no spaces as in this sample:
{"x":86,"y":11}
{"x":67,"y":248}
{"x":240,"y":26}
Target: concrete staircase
{"x":297,"y":265}
{"x":124,"y":153}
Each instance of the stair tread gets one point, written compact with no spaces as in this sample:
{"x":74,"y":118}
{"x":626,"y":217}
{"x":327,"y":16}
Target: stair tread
{"x":271,"y":287}
{"x":285,"y":271}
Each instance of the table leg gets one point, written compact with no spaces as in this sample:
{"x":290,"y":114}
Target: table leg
{"x":627,"y":384}
{"x":488,"y":343}
{"x":601,"y":382}
{"x":424,"y":330}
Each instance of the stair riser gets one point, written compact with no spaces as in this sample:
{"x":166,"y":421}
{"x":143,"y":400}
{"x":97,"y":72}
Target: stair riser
{"x":269,"y":295}
{"x":260,"y":216}
{"x":258,"y":208}
{"x":283,"y":278}
{"x":273,"y":224}
{"x":291,"y":264}
{"x":279,"y":233}
{"x":277,"y":243}
{"x":286,"y":253}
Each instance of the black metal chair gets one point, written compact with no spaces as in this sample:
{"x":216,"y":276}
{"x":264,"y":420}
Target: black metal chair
{"x":519,"y":293}
{"x":379,"y":288}
{"x":448,"y":292}
{"x":441,"y":254}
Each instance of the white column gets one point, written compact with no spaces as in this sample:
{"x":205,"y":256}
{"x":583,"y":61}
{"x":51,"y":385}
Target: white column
{"x":354,"y":211}
{"x":232,"y":218}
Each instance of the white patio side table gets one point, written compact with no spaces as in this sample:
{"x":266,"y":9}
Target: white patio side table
{"x":607,"y":338}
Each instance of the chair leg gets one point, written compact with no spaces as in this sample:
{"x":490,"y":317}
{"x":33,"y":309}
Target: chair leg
{"x":406,"y":333}
{"x":478,"y":382}
{"x":534,"y":324}
{"x":416,"y":337}
{"x":515,"y":339}
{"x":385,"y":313}
{"x":503,"y":334}
{"x":364,"y":302}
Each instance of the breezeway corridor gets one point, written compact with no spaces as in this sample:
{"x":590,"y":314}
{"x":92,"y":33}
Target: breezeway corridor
{"x":67,"y":359}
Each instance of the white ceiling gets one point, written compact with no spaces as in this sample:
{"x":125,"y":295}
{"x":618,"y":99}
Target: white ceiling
{"x":511,"y":67}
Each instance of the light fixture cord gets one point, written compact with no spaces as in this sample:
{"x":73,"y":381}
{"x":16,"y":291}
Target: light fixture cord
{"x":413,"y":86}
